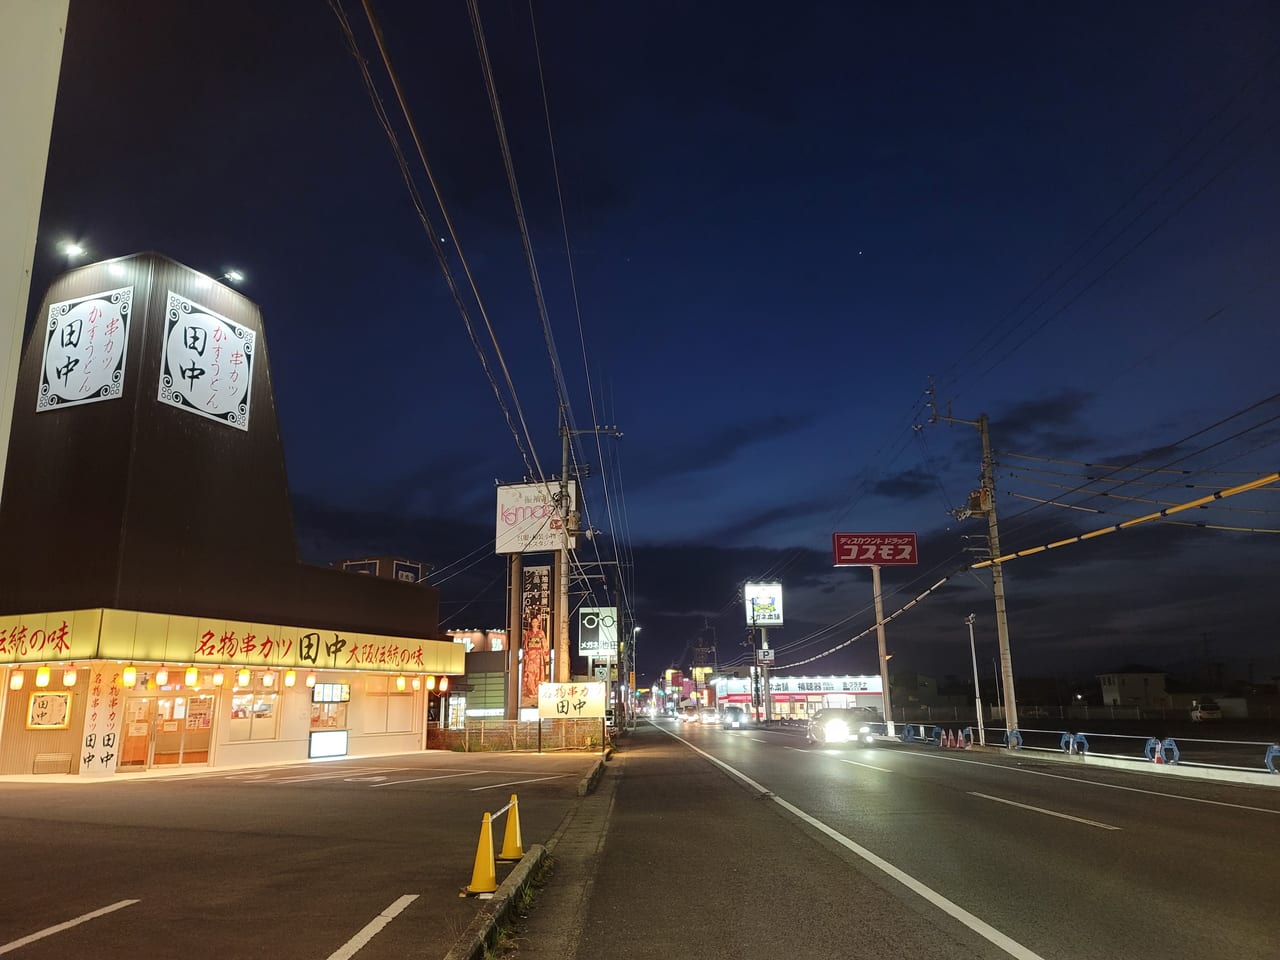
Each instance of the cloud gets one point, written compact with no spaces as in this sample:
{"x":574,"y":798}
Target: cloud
{"x":719,"y":448}
{"x":1050,"y":424}
{"x":908,"y":485}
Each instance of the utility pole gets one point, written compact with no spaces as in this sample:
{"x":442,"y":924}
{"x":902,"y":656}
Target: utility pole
{"x":983,"y":501}
{"x":884,"y":657}
{"x":570,"y":524}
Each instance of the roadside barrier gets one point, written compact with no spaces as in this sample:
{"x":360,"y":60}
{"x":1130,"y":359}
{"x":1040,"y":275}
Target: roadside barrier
{"x":1074,"y":743}
{"x":484,"y":873}
{"x":1013,"y":740}
{"x":1273,"y":754}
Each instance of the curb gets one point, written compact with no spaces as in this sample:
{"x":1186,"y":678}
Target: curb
{"x":588,"y":783}
{"x":475,"y":939}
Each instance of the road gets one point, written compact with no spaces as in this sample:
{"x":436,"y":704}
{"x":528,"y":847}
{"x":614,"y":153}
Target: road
{"x":749,"y":844}
{"x":288,"y":862}
{"x":709,"y":843}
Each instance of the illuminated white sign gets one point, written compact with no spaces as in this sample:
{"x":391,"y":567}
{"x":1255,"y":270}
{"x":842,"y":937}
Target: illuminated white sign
{"x":598,"y":632}
{"x":328,"y":743}
{"x":86,"y":341}
{"x":206,"y":366}
{"x":764,"y":604}
{"x":728,"y":685}
{"x":571,"y":701}
{"x":529,"y":519}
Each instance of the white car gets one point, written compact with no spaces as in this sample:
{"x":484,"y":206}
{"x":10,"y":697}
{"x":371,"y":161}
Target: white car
{"x":1206,"y":710}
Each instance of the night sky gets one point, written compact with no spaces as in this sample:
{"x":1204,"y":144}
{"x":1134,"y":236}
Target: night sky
{"x":783,"y":219}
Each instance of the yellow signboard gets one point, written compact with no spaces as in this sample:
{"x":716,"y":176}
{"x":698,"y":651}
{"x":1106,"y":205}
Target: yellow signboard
{"x":163,"y":638}
{"x":43,"y":637}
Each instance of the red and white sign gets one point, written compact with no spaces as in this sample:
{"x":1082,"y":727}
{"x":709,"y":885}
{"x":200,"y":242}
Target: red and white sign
{"x":874,"y":549}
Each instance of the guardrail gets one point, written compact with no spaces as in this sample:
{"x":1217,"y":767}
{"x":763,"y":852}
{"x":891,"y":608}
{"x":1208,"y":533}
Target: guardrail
{"x":1250,"y":756}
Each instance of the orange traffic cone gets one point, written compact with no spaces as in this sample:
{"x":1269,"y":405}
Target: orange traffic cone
{"x":484,"y":875}
{"x":951,"y":739}
{"x":512,"y":842}
{"x":1159,"y":754}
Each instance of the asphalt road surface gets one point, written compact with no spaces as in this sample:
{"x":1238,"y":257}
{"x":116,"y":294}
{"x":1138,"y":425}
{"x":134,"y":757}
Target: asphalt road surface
{"x":355,"y":858}
{"x":749,"y":844}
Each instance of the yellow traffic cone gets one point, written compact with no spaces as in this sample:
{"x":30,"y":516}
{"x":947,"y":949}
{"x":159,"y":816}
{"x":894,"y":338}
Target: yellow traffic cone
{"x":484,"y":875}
{"x":512,"y":842}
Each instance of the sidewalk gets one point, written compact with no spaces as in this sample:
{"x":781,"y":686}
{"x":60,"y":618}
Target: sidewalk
{"x":553,"y":929}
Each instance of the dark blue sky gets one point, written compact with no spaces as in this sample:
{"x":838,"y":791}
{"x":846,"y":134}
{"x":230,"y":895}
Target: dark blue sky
{"x":783,"y":220}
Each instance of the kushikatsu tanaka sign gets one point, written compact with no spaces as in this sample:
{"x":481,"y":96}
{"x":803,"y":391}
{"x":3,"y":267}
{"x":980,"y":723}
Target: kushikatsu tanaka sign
{"x":105,"y":634}
{"x":571,"y":701}
{"x":207,"y":362}
{"x":86,"y":341}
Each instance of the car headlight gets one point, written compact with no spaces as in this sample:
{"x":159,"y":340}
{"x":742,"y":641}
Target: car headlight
{"x":836,"y":730}
{"x":864,"y":729}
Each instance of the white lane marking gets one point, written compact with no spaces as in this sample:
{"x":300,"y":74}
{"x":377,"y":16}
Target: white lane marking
{"x":1051,"y":813}
{"x":869,"y":766}
{"x":1098,"y":783}
{"x":362,"y":779}
{"x":443,"y":776}
{"x":58,"y":928}
{"x":372,"y":928}
{"x":512,"y":783}
{"x":979,"y":926}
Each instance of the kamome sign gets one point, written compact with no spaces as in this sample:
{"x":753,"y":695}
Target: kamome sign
{"x":764,"y":604}
{"x":598,"y":632}
{"x":529,"y":519}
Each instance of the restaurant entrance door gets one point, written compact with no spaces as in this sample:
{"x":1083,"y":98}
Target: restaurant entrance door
{"x":166,"y":730}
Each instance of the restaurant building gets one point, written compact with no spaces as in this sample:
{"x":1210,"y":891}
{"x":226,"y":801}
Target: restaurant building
{"x":152,"y":607}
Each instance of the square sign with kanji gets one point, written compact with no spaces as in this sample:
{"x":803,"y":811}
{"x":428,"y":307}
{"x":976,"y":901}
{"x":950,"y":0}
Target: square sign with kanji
{"x":874,"y":549}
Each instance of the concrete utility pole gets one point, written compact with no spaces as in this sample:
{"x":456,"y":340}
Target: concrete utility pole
{"x":569,"y":528}
{"x":884,"y":656}
{"x":983,"y":502}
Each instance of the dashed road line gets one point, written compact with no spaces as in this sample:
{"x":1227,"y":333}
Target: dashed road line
{"x":1051,"y":813}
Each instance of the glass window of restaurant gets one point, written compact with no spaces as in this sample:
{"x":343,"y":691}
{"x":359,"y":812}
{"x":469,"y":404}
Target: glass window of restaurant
{"x":386,"y":708}
{"x":255,"y":711}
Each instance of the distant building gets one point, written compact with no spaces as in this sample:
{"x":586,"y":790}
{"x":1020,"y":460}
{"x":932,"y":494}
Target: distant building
{"x":1134,"y":689}
{"x":389,"y":568}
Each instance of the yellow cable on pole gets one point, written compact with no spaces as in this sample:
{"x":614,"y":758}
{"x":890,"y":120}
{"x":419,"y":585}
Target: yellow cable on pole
{"x":1158,"y":515}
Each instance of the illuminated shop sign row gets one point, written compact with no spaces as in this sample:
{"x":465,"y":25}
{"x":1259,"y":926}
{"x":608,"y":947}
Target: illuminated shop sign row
{"x":104,"y":634}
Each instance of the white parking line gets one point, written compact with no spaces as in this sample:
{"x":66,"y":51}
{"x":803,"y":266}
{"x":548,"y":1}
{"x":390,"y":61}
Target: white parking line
{"x":340,"y":773}
{"x":58,"y":928}
{"x":1051,"y":813}
{"x":512,"y":783}
{"x":759,"y":740}
{"x":443,"y":776}
{"x":372,"y":928}
{"x":979,"y":926}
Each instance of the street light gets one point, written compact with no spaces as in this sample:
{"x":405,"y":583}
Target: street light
{"x":71,"y":250}
{"x":235,"y":276}
{"x":977,"y":693}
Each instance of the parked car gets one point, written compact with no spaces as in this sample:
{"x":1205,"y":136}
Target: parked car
{"x":841,"y":725}
{"x":1205,"y":710}
{"x":734,"y":718}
